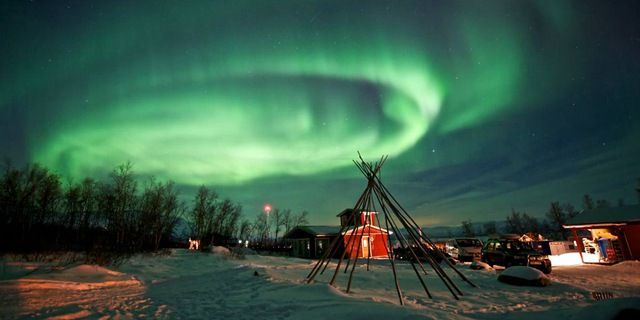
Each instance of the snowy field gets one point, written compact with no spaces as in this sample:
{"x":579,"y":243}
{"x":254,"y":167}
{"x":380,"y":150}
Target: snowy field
{"x":215,"y":286}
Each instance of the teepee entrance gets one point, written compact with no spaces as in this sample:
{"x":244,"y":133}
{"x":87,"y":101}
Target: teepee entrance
{"x":364,"y":237}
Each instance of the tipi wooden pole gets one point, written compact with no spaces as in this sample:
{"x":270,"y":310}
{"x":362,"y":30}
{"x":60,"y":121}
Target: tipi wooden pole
{"x":370,"y":209}
{"x":369,"y":189}
{"x":345,"y":227}
{"x":436,"y":267}
{"x":444,"y":277}
{"x":404,"y":244}
{"x":335,"y":273}
{"x":326,"y":258}
{"x":355,"y":261}
{"x":389,"y":250}
{"x":401,"y":238}
{"x":351,"y":242}
{"x":424,"y":237}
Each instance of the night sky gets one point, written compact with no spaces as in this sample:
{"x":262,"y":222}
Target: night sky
{"x":483,"y":106}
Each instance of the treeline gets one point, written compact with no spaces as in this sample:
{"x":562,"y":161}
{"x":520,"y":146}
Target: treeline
{"x":38,"y":212}
{"x":217,"y":222}
{"x":267,"y":229}
{"x":550,"y":226}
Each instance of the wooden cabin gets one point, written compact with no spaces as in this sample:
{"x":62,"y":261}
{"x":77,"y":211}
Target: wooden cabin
{"x":310,"y":241}
{"x":367,"y":240}
{"x":607,"y":235}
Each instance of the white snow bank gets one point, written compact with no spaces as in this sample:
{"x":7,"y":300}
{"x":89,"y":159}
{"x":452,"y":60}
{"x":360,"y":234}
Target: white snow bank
{"x":187,"y":284}
{"x":477,"y":265}
{"x":626,"y":266}
{"x":622,"y":308}
{"x":220,"y":250}
{"x":82,"y":277}
{"x":567,"y":259}
{"x":525,"y":276}
{"x":523,"y":272}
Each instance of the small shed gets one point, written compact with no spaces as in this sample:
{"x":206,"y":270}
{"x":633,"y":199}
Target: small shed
{"x":607,"y":235}
{"x":311,"y":241}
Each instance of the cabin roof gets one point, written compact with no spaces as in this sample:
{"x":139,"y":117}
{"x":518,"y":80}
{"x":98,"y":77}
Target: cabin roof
{"x":345,"y":212}
{"x":316,"y":230}
{"x":350,"y":231}
{"x":603,"y":216}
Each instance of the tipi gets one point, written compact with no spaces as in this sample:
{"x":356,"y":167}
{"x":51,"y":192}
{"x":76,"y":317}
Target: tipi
{"x":419,"y":248}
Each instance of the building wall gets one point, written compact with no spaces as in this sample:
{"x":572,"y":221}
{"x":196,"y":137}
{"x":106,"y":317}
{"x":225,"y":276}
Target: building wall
{"x":379,"y":242}
{"x":301,"y":248}
{"x":632,"y":235}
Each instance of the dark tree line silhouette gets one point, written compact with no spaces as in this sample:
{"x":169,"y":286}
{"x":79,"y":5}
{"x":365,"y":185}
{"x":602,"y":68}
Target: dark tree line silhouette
{"x":213,"y":221}
{"x":38,"y":212}
{"x":551,"y":225}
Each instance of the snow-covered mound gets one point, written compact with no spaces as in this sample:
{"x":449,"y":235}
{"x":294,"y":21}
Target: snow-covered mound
{"x":220,"y":250}
{"x":243,"y":251}
{"x":188,"y":284}
{"x":81,"y":277}
{"x":524,"y":276}
{"x":567,"y":259}
{"x":621,"y":308}
{"x":479,"y":265}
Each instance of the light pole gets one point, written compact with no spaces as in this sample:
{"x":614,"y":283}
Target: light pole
{"x":267,"y":209}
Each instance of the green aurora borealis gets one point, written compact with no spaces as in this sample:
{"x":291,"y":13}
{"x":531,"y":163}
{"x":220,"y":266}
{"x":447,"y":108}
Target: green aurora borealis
{"x":256,"y":97}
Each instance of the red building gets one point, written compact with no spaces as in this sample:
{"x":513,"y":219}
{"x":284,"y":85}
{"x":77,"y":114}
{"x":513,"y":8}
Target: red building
{"x":367,"y":239}
{"x":607,"y":235}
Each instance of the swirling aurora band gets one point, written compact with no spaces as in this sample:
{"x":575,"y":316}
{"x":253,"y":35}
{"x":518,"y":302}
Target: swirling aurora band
{"x":215,"y":94}
{"x":227,"y":126}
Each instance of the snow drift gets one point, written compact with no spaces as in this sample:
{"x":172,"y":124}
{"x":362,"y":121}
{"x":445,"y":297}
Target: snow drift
{"x":524,"y":276}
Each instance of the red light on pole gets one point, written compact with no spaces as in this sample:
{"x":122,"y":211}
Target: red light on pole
{"x":267,"y":208}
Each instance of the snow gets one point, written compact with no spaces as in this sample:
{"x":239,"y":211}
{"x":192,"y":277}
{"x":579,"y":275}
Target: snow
{"x":567,"y":259}
{"x":220,"y":250}
{"x":523,"y":272}
{"x":188,"y":284}
{"x":524,"y":276}
{"x":478,"y":265}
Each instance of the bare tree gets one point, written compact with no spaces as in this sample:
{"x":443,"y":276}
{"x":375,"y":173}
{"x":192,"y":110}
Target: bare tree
{"x":231,"y":221}
{"x":202,"y":214}
{"x":467,"y":229}
{"x":88,"y":206}
{"x":278,"y":220}
{"x":558,"y":215}
{"x":122,"y":219}
{"x":72,"y":205}
{"x":245,"y":230}
{"x":602,"y":203}
{"x":530,"y":224}
{"x":490,"y":228}
{"x":301,"y":219}
{"x":514,"y":223}
{"x":587,"y":202}
{"x":261,"y":228}
{"x":287,"y":220}
{"x":160,"y":210}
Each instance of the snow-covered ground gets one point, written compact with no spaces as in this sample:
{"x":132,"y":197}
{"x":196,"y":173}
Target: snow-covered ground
{"x":215,"y":286}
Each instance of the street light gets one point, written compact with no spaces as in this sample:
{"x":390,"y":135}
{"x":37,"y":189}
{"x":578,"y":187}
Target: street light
{"x":267,"y":209}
